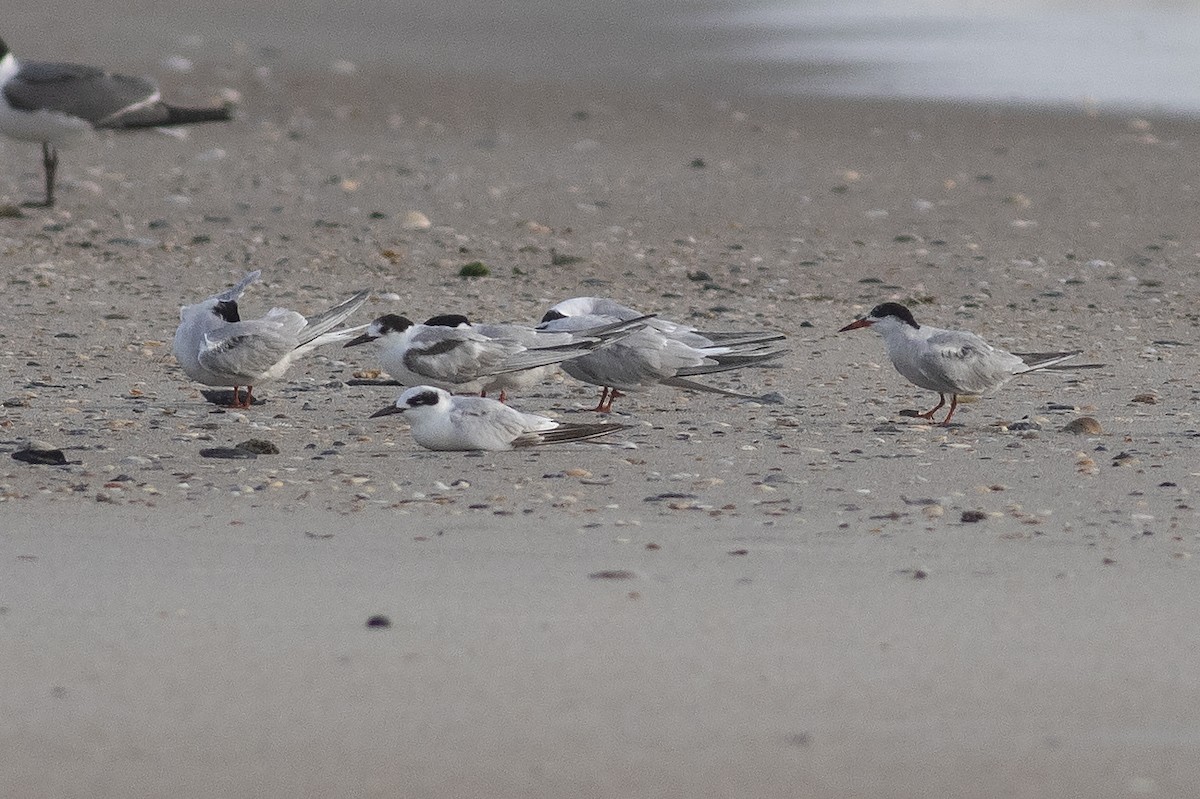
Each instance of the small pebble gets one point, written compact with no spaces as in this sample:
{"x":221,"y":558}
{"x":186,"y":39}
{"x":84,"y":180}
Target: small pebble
{"x":259,"y":446}
{"x":228,"y":453}
{"x":612,"y":574}
{"x":972,"y":516}
{"x":379,"y":621}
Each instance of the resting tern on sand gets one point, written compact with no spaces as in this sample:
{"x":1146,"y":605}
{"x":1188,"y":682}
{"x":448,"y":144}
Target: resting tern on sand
{"x":665,"y":352}
{"x":441,"y":421}
{"x":55,"y":104}
{"x":216,"y":347}
{"x":449,"y":352}
{"x":953,"y":362}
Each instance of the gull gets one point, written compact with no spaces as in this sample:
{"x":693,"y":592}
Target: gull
{"x":449,"y":352}
{"x":663,"y":352}
{"x":442,"y":421}
{"x":216,"y":347}
{"x":55,"y":104}
{"x":954,"y":362}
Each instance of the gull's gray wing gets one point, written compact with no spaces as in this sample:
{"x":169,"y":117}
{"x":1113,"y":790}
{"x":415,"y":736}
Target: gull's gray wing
{"x":102,"y":98}
{"x":246,"y":349}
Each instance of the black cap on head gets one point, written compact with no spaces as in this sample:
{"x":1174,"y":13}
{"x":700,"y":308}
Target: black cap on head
{"x":227,"y":310}
{"x":447,"y":320}
{"x":424,"y":398}
{"x":897,"y":310}
{"x":552,"y":314}
{"x":393,"y":323}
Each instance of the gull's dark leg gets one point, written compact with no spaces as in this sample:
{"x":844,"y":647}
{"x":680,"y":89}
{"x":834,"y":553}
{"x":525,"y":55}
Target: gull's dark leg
{"x":50,"y":164}
{"x":49,"y":167}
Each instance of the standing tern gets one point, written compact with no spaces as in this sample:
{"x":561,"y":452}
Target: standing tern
{"x":953,"y":362}
{"x":449,"y":352}
{"x":441,"y":421}
{"x":216,"y":347}
{"x":664,"y":352}
{"x":55,"y":104}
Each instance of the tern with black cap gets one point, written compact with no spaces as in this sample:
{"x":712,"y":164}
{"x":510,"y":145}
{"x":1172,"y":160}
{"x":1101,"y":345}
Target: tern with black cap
{"x":954,"y":362}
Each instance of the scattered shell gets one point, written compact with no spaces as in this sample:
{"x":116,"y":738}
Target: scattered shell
{"x":415,"y":220}
{"x":1084,"y":425}
{"x":934,"y":511}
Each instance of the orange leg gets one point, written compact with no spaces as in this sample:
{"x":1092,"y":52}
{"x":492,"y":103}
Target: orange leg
{"x":953,"y":405}
{"x":503,"y":397}
{"x":929,"y":413}
{"x":600,"y":406}
{"x":237,"y":403}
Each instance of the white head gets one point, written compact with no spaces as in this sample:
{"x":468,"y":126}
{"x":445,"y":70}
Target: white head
{"x":418,"y":402}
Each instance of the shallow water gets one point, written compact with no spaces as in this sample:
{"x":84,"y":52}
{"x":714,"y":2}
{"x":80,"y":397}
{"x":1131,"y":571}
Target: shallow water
{"x":1119,"y":55}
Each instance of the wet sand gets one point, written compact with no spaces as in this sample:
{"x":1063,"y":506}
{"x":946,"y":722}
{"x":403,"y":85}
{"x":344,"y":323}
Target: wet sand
{"x":807,"y":608}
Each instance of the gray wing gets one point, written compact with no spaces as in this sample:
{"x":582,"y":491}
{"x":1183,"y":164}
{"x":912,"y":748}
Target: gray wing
{"x":967,"y":362}
{"x":453,"y":355}
{"x":234,"y":294}
{"x":489,"y":424}
{"x":102,"y":98}
{"x":245,"y":349}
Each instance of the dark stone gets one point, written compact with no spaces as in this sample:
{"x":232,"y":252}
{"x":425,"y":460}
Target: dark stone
{"x":41,"y":457}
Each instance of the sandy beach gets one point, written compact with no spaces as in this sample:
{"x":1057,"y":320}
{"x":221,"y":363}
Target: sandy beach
{"x":807,"y":595}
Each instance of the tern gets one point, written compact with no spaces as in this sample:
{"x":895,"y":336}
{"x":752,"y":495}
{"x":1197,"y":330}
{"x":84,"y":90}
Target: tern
{"x":664,"y":352}
{"x":442,"y":421}
{"x":216,"y":347}
{"x":449,"y":352}
{"x":55,"y":104}
{"x":954,"y":362}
